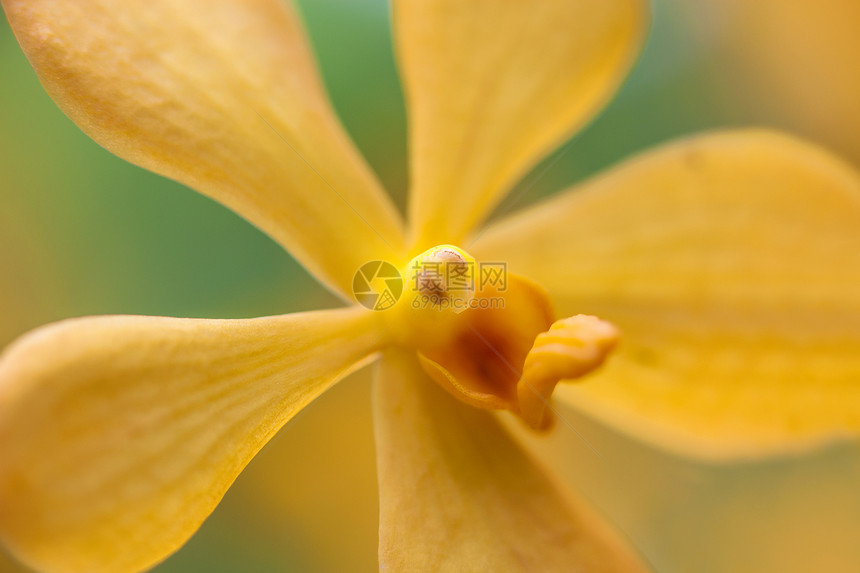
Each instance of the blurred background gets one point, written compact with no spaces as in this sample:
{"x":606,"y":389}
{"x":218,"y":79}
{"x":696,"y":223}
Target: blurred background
{"x":82,"y":232}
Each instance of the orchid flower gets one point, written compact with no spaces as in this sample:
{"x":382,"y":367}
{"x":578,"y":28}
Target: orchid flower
{"x":728,"y":264}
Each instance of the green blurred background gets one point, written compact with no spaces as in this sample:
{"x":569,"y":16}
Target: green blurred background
{"x":82,"y":232}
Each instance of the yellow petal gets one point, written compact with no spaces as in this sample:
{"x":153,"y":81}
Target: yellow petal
{"x":119,"y":435}
{"x":456,"y":493}
{"x":224,"y":98}
{"x":731,"y":264}
{"x":493,"y":85}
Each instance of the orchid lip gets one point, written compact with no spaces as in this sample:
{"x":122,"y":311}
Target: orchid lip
{"x":493,"y":346}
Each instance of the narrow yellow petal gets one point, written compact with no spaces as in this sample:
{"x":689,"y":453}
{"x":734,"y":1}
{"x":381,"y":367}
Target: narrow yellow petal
{"x":493,"y":85}
{"x":225,"y":98}
{"x":119,"y":435}
{"x":731,"y":264}
{"x":456,"y":493}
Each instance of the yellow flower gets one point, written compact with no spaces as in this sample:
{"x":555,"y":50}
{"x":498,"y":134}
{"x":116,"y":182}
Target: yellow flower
{"x":729,"y":262}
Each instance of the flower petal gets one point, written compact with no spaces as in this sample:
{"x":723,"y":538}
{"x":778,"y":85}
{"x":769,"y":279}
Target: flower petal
{"x":224,"y":98}
{"x":456,"y":493}
{"x":119,"y":435}
{"x":731,"y":264}
{"x":492,"y":86}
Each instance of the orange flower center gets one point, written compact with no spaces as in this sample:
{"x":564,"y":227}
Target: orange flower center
{"x":490,"y":337}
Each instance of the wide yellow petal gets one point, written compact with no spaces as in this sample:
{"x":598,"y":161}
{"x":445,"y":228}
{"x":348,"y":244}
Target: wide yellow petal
{"x":119,"y":435}
{"x":456,"y":493}
{"x":492,"y":86}
{"x":731,"y":264}
{"x":225,"y":98}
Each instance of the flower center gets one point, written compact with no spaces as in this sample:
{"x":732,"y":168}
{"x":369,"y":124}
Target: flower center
{"x":444,"y":277}
{"x":490,"y":337}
